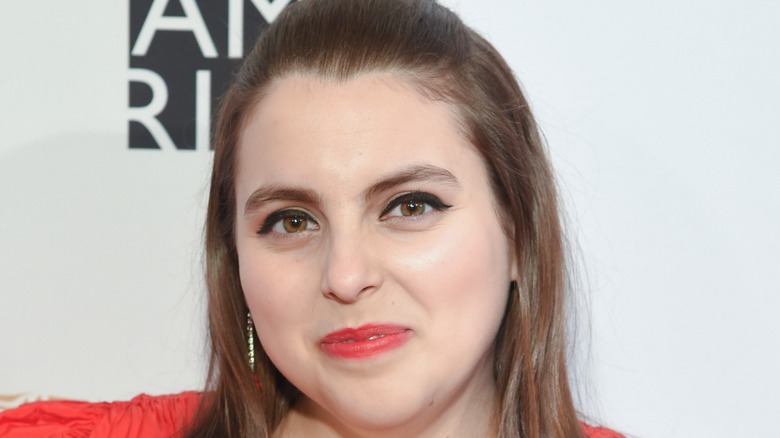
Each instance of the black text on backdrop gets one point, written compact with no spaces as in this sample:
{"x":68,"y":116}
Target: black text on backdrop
{"x":182,"y":53}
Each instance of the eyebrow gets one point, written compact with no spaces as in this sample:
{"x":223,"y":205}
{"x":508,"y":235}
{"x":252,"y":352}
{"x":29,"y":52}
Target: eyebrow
{"x":413,"y":174}
{"x":278,"y":193}
{"x":290,"y":193}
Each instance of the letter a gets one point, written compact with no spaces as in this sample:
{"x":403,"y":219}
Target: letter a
{"x":192,"y":21}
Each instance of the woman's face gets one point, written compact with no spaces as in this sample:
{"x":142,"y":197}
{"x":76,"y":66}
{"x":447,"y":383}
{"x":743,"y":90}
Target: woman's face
{"x":371,"y":255}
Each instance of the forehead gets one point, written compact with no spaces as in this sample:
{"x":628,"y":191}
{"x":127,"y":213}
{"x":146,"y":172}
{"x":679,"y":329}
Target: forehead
{"x":305,"y":127}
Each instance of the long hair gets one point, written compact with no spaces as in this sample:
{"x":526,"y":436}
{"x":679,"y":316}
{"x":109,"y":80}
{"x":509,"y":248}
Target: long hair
{"x":428,"y":46}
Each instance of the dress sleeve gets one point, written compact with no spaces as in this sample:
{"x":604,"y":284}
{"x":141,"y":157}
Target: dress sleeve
{"x":143,"y":416}
{"x":599,"y":432}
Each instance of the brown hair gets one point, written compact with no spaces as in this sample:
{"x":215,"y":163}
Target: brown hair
{"x":427,"y":45}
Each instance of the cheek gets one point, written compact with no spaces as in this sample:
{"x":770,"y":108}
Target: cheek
{"x":273,"y":290}
{"x":461,"y":274}
{"x":282,"y":305}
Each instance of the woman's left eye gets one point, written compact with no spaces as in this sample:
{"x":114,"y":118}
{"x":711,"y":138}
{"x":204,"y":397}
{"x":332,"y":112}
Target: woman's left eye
{"x":413,"y":204}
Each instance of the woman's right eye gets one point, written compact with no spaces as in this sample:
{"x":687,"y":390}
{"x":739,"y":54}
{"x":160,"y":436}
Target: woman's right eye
{"x":288,"y":222}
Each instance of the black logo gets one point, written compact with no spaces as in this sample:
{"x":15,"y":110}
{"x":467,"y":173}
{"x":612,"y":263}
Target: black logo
{"x":182,"y":53}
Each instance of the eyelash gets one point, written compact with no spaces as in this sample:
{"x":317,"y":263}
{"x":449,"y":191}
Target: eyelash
{"x":417,"y":198}
{"x":422,"y":198}
{"x":274,"y":218}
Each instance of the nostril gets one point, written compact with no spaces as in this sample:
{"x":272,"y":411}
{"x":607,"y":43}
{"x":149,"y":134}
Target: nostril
{"x":350,"y":268}
{"x":340,"y":298}
{"x":351,"y":289}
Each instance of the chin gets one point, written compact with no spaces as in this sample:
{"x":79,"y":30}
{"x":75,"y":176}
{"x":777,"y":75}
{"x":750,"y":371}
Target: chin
{"x":375,"y":413}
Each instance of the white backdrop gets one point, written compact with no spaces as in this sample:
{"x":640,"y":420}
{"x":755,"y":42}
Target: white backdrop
{"x":662,"y":121}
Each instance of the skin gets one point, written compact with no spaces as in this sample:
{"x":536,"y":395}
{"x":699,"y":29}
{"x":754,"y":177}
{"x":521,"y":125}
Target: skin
{"x":350,"y":255}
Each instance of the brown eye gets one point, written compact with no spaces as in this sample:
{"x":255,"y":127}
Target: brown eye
{"x":413,"y":204}
{"x":412,"y":208}
{"x":288,"y":222}
{"x":295,"y":224}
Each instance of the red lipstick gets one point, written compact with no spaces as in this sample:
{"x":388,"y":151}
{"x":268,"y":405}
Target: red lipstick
{"x":364,"y":341}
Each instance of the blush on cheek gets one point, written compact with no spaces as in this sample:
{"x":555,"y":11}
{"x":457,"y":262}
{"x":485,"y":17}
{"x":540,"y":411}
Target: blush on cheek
{"x":468,"y":262}
{"x":276,"y":293}
{"x":477,"y":265}
{"x":468,"y":247}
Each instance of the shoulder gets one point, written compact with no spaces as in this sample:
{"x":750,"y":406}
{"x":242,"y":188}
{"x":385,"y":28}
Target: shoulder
{"x":599,"y":432}
{"x":143,"y":416}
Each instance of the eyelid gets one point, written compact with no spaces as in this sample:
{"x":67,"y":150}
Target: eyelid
{"x":275,"y":217}
{"x":422,"y":197}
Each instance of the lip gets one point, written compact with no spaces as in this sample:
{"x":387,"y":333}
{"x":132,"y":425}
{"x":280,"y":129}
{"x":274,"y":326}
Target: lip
{"x":365,"y":341}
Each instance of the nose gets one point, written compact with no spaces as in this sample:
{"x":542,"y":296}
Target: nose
{"x":351,"y":270}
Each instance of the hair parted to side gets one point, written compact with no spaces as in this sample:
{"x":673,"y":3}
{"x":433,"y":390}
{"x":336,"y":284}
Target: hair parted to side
{"x":428,"y":46}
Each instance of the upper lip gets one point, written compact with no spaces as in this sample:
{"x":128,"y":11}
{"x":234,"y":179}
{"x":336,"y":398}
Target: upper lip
{"x":362,"y":333}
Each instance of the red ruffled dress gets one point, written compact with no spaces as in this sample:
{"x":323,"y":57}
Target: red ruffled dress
{"x":142,"y":417}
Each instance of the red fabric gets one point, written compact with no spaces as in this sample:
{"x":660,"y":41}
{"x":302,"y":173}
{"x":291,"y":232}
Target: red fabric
{"x":600,"y":432}
{"x":142,"y":417}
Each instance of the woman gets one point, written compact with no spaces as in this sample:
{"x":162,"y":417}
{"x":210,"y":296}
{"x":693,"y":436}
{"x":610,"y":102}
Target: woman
{"x":384,"y":249}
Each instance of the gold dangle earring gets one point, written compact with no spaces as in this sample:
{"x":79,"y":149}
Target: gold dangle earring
{"x":250,"y":340}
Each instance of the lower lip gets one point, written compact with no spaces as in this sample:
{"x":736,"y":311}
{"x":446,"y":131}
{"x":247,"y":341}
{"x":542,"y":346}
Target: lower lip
{"x":392,"y":338}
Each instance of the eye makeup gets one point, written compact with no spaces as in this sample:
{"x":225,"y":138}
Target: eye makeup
{"x":410,"y":205}
{"x":292,"y":220}
{"x":412,"y":201}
